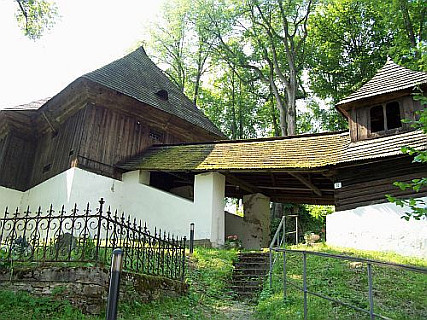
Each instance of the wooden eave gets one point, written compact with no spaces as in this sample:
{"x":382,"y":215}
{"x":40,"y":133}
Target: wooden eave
{"x":19,"y":122}
{"x":371,"y":101}
{"x":62,"y":106}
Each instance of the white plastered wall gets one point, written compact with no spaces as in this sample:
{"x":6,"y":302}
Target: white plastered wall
{"x":378,"y":227}
{"x":9,"y":198}
{"x":158,"y":208}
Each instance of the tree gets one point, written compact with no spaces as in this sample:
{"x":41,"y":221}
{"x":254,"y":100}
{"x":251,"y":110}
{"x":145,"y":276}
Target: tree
{"x":406,"y":23}
{"x":35,"y":17}
{"x":183,"y":42}
{"x":348,"y":42}
{"x":269,"y":39}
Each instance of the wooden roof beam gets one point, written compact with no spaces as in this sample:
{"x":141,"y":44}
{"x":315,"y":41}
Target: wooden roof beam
{"x":243,"y":184}
{"x":306,"y":182}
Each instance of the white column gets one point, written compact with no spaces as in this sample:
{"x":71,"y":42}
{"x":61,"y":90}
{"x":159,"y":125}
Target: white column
{"x":137,"y":176}
{"x":257,"y":216}
{"x":209,"y":193}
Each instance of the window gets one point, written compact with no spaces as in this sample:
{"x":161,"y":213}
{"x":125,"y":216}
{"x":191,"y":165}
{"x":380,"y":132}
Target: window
{"x":163,"y":94}
{"x":156,"y":136}
{"x":377,"y":119}
{"x":385,"y":117}
{"x":393,"y":115}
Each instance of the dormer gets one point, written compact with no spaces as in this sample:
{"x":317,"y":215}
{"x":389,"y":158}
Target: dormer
{"x":378,"y":107}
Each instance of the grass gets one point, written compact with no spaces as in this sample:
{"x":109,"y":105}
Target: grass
{"x":208,"y":275}
{"x":398,"y":294}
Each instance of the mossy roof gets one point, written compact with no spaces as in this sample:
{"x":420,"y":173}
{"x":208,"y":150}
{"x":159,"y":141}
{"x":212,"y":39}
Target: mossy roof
{"x":305,"y":152}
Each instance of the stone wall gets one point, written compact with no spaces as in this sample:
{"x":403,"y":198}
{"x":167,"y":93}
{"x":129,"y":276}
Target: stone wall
{"x":87,"y":287}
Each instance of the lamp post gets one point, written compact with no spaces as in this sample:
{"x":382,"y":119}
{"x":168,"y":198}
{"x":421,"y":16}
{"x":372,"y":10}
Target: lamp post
{"x":191,"y":247}
{"x":113,"y":290}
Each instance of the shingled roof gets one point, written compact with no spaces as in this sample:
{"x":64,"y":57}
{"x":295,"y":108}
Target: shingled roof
{"x":33,"y":105}
{"x":135,"y":75}
{"x":291,"y":153}
{"x":389,"y":78}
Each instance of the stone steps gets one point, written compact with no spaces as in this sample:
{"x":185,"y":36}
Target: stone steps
{"x":249,"y":273}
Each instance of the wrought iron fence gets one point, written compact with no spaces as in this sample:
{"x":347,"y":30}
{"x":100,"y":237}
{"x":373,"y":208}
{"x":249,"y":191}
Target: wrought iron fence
{"x":89,"y":236}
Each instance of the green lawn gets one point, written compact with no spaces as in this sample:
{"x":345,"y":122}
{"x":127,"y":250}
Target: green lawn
{"x":398,"y":294}
{"x":208,"y":275}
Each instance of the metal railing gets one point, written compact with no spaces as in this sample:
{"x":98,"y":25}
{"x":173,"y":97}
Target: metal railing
{"x":279,"y":240}
{"x":304,"y":288}
{"x":89,"y":237}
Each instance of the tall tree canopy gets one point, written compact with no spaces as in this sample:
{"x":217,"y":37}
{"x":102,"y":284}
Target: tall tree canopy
{"x":248,"y":62}
{"x":36,"y":17}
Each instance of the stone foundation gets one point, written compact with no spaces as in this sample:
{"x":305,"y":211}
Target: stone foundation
{"x":87,"y":287}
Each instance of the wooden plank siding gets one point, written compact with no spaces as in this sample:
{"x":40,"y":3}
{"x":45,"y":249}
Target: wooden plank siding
{"x":111,"y":136}
{"x":56,"y":151}
{"x":16,"y":159}
{"x":368,"y":184}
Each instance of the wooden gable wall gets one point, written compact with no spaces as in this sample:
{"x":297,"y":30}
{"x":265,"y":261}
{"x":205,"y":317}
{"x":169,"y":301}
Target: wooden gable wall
{"x":367,"y":184}
{"x":16,"y":159}
{"x":359,"y":114}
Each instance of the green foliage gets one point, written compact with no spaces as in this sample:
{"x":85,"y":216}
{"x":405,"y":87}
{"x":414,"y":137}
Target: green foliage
{"x":348,"y":42}
{"x":22,"y":306}
{"x":317,"y":119}
{"x":398,"y":294}
{"x":35,"y":17}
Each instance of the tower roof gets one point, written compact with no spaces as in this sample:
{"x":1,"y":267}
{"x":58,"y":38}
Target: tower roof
{"x":390,"y":78}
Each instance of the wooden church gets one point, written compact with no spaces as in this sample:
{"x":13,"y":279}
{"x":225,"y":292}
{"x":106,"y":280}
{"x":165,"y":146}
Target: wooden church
{"x":124,"y":132}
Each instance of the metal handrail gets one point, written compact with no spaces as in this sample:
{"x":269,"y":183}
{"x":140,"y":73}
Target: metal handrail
{"x":369,"y":263}
{"x":278,"y":242}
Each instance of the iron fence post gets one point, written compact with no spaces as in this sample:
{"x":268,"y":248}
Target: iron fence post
{"x":304,"y":257}
{"x":98,"y":231}
{"x":284,"y":275}
{"x":113,"y":290}
{"x":371,"y":298}
{"x":183,"y":260}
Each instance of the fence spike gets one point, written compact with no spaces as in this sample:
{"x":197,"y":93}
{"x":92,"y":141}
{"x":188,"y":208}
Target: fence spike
{"x":50,"y":211}
{"x":27,"y":213}
{"x":101,"y":203}
{"x":62,"y":210}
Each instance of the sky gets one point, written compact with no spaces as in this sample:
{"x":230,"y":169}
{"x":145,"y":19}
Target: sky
{"x":88,"y":35}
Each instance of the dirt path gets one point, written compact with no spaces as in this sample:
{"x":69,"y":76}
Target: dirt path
{"x":238,"y":311}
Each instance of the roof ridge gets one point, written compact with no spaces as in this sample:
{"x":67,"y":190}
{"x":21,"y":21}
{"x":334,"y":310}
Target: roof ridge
{"x":254,"y":140}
